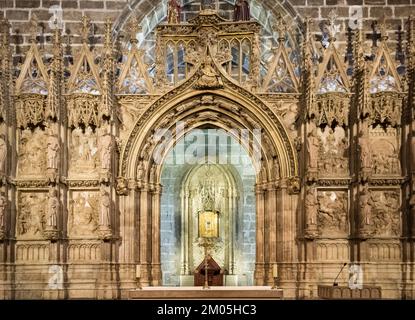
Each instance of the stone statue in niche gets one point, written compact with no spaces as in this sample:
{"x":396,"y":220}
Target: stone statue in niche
{"x":365,"y":207}
{"x":3,"y":204}
{"x":106,"y":146}
{"x":332,"y":213}
{"x":52,"y":151}
{"x":365,"y":151}
{"x":84,"y":216}
{"x":32,"y":153}
{"x":53,"y":209}
{"x":3,"y":153}
{"x":311,"y":206}
{"x":276,"y":169}
{"x":31,"y":214}
{"x":173,"y":15}
{"x":104,"y":218}
{"x":242,"y":11}
{"x":313,"y":147}
{"x":140,"y":170}
{"x":83,"y":153}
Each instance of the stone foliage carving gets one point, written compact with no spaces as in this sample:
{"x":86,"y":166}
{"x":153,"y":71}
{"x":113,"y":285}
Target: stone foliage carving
{"x":84,"y":214}
{"x":32,"y":214}
{"x":84,"y":155}
{"x":32,"y":153}
{"x":332,"y":213}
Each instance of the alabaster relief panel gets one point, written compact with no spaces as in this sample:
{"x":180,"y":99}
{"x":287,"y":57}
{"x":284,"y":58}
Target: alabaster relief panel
{"x":384,"y":148}
{"x":32,"y":215}
{"x":84,"y":156}
{"x":333,"y":152}
{"x":83,"y":214}
{"x":32,"y":153}
{"x":383,"y":217}
{"x":332,"y":213}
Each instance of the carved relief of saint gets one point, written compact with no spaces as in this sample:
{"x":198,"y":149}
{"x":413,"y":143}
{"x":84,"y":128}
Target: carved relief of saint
{"x":365,"y":152}
{"x":313,"y":146}
{"x":105,"y":148}
{"x":311,"y":205}
{"x":3,"y":153}
{"x":52,"y":152}
{"x":242,"y":11}
{"x":53,"y":207}
{"x":365,"y":206}
{"x":173,"y":15}
{"x":3,"y":203}
{"x":105,"y":220}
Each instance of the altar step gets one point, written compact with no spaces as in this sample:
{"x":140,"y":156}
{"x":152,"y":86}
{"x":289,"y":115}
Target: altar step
{"x":214,"y":293}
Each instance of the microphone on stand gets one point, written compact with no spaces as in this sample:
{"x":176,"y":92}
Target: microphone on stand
{"x":335,"y":284}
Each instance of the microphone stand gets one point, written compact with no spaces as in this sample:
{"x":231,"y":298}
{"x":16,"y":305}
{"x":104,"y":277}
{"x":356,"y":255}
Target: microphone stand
{"x":335,"y":284}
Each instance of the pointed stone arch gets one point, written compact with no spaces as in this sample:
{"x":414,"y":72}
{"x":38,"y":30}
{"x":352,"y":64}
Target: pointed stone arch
{"x":218,"y":102}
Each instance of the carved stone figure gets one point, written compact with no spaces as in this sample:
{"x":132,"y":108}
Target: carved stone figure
{"x":311,"y":206}
{"x":105,"y":148}
{"x":365,"y":206}
{"x":365,"y":151}
{"x":3,"y":204}
{"x":52,"y":152}
{"x":277,"y":169}
{"x":104,"y":218}
{"x":122,"y":186}
{"x":140,"y":171}
{"x":173,"y":15}
{"x":242,"y":11}
{"x":313,"y":146}
{"x":53,"y":208}
{"x":3,"y":153}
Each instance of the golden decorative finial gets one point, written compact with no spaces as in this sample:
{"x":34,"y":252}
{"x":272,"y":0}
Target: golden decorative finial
{"x":133,"y":28}
{"x":281,"y":28}
{"x":85,"y":28}
{"x":33,"y":27}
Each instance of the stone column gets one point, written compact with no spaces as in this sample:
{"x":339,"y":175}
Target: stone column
{"x":272,"y":234}
{"x":144,"y":236}
{"x":155,"y":232}
{"x":260,"y":215}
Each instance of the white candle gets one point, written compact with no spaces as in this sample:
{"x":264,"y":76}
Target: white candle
{"x":138,"y":271}
{"x":275,"y":271}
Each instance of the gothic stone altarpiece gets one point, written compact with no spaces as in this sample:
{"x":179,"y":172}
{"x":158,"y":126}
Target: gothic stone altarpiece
{"x":80,"y":190}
